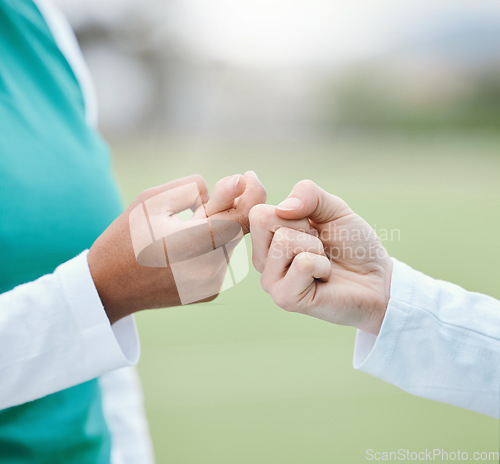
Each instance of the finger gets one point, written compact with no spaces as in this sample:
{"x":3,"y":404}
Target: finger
{"x":309,"y":200}
{"x":224,"y":194}
{"x":198,"y":239}
{"x":306,"y":269}
{"x":263,"y":223}
{"x":199,"y":181}
{"x":149,"y":215}
{"x":172,"y":201}
{"x":254,"y":194}
{"x":286,"y":244}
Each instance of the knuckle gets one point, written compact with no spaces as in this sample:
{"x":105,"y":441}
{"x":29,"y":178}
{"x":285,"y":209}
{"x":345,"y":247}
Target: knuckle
{"x":306,"y":183}
{"x":261,"y":215}
{"x":284,"y":302}
{"x":265,"y":284}
{"x":254,"y":213}
{"x":198,"y":178}
{"x":201,"y":184}
{"x":297,"y":241}
{"x":281,"y":235}
{"x":283,"y":297}
{"x":222,"y":181}
{"x":257,"y":263}
{"x":307,"y":242}
{"x":259,"y":190}
{"x":280,"y":299}
{"x":316,"y":244}
{"x":305,"y":262}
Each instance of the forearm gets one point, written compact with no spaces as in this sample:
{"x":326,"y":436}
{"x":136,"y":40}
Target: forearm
{"x":54,"y":333}
{"x":437,"y":341}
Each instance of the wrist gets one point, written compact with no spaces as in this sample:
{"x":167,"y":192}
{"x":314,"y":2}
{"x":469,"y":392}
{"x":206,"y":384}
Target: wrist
{"x":103,"y":282}
{"x":380,"y":301}
{"x":120,"y":286}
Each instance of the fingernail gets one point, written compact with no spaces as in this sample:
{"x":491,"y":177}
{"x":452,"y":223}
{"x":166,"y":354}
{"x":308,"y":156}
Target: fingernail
{"x":290,"y":204}
{"x":234,"y":181}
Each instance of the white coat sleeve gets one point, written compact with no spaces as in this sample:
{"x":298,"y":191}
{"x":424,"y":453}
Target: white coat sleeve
{"x":437,"y":341}
{"x":54,"y":334}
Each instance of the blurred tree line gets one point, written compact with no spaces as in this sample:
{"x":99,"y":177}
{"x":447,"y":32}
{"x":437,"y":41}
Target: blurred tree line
{"x":147,"y":79}
{"x":370,"y":99}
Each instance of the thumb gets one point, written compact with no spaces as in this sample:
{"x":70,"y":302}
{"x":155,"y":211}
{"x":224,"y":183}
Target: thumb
{"x":309,"y":200}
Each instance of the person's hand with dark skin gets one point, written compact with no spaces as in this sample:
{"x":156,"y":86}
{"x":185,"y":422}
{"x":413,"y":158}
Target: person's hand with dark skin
{"x":319,"y":258}
{"x":125,"y":286}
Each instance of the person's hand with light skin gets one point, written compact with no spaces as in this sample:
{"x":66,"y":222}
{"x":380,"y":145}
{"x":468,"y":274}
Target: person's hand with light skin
{"x":125,"y":286}
{"x":319,"y":258}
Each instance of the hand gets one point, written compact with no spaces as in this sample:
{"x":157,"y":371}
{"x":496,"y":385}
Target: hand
{"x":141,"y":264}
{"x":319,"y":258}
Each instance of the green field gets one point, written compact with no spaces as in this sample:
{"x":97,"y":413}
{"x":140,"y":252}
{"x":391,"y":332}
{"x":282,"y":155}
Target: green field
{"x":239,"y":381}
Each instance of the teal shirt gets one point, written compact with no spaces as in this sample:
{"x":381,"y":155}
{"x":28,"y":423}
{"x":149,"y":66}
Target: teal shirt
{"x":56,"y":196}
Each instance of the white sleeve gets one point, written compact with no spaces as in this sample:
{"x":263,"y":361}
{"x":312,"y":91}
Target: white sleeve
{"x":54,"y":334}
{"x":123,"y":407}
{"x":437,"y":341}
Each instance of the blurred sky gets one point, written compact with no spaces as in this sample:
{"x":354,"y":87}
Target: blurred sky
{"x":282,"y":32}
{"x":282,"y":67}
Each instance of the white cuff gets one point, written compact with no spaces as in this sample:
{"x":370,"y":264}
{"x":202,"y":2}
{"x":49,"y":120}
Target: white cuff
{"x":372,"y":353}
{"x":54,"y":334}
{"x":107,"y":347}
{"x":437,"y":341}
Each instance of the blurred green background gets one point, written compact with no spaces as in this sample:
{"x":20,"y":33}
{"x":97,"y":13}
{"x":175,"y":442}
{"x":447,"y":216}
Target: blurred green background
{"x":238,"y":380}
{"x":392,"y":105}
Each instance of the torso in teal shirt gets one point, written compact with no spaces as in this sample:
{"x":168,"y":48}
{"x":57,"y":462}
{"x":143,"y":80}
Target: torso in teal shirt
{"x":56,"y":196}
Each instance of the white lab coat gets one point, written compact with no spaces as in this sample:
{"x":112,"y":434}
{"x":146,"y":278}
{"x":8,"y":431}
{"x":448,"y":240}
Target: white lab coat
{"x":54,"y":334}
{"x":437,"y":341}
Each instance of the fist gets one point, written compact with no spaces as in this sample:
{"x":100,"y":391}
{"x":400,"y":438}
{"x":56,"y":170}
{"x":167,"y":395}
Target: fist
{"x":150,"y":258}
{"x":319,"y":258}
